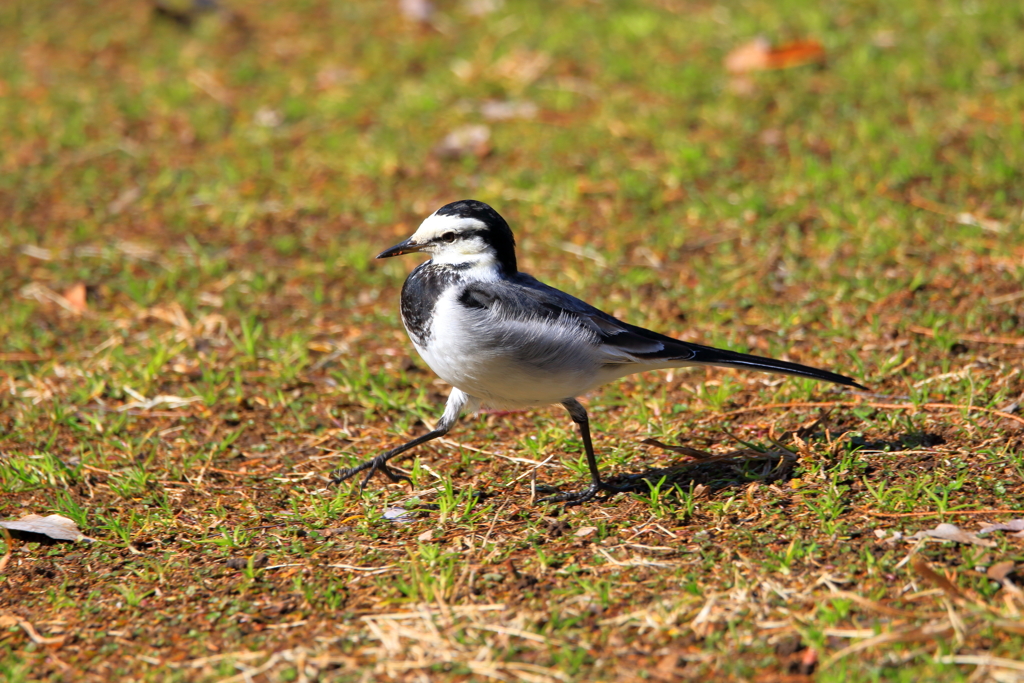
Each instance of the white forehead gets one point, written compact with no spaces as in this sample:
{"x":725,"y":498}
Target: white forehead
{"x":435,"y":226}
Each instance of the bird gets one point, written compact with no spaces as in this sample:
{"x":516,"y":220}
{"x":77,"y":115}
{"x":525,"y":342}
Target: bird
{"x":505,"y":340}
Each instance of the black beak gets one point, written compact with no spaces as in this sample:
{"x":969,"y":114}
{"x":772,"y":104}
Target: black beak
{"x":405,"y":247}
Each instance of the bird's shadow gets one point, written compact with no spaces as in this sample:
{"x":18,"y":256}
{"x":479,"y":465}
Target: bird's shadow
{"x":907,"y":441}
{"x":714,"y":472}
{"x":710,"y":471}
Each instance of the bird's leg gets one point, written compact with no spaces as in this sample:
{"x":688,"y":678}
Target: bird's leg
{"x":579,"y":416}
{"x":380,"y":463}
{"x":457,"y":401}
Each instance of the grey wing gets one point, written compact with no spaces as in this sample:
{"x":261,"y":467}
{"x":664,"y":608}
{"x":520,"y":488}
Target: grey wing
{"x":555,"y":317}
{"x":541,"y":314}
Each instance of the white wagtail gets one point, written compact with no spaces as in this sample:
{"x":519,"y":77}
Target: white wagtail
{"x":503,"y":339}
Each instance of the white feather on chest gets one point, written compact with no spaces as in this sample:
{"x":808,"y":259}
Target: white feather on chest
{"x":506,"y":362}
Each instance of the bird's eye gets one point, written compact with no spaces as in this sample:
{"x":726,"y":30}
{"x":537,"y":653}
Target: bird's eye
{"x":448,"y":237}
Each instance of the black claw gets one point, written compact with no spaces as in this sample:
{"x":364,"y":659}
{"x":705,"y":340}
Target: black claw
{"x":378,"y":464}
{"x":366,"y":479}
{"x":383,"y":468}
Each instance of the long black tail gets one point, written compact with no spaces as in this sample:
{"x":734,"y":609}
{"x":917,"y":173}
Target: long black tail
{"x":733,"y":359}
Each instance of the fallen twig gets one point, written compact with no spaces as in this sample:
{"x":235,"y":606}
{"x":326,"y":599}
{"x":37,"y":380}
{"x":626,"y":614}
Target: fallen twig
{"x":976,"y":338}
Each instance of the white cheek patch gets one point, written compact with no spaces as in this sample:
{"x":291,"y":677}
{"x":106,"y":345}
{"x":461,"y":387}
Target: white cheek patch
{"x":469,"y":247}
{"x":474,"y":258}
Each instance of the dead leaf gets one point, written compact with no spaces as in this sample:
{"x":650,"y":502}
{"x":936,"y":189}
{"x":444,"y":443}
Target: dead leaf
{"x":47,"y":530}
{"x":266,"y":117}
{"x":951,"y":532}
{"x":427,"y":535}
{"x":126,"y":198}
{"x":926,"y":572}
{"x":983,"y":222}
{"x":759,"y":55}
{"x":884,"y":39}
{"x":667,"y":668}
{"x":771,"y":137}
{"x":797,"y":53}
{"x":35,"y":252}
{"x":1012,"y":525}
{"x":8,"y":620}
{"x":1000,"y":570}
{"x":505,"y":110}
{"x":521,"y":66}
{"x":44,"y":294}
{"x":75,"y":295}
{"x":416,"y":10}
{"x":210,"y":84}
{"x":584,"y":531}
{"x":751,"y":56}
{"x":464,"y":141}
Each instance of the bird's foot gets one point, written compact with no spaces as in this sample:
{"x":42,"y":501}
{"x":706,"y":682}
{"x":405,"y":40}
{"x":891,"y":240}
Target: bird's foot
{"x":374,"y":465}
{"x":586,"y":495}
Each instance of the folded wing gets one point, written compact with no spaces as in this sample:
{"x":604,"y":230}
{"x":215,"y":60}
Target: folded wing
{"x":526,"y":306}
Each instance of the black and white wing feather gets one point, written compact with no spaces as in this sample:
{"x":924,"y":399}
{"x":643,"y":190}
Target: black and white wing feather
{"x":535,"y":320}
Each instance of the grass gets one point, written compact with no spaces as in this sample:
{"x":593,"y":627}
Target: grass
{"x":220,"y":189}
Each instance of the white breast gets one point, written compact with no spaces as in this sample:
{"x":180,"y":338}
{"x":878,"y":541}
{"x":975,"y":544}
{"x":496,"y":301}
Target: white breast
{"x":507,"y":363}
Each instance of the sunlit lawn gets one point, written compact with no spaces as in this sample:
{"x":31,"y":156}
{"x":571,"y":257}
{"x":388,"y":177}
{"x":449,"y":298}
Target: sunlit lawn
{"x":194,"y":333}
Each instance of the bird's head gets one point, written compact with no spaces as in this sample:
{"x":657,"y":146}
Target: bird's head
{"x":466,"y":233}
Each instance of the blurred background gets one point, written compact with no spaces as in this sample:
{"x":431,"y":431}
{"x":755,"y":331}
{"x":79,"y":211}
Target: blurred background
{"x":737,"y":173}
{"x":668,"y":142}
